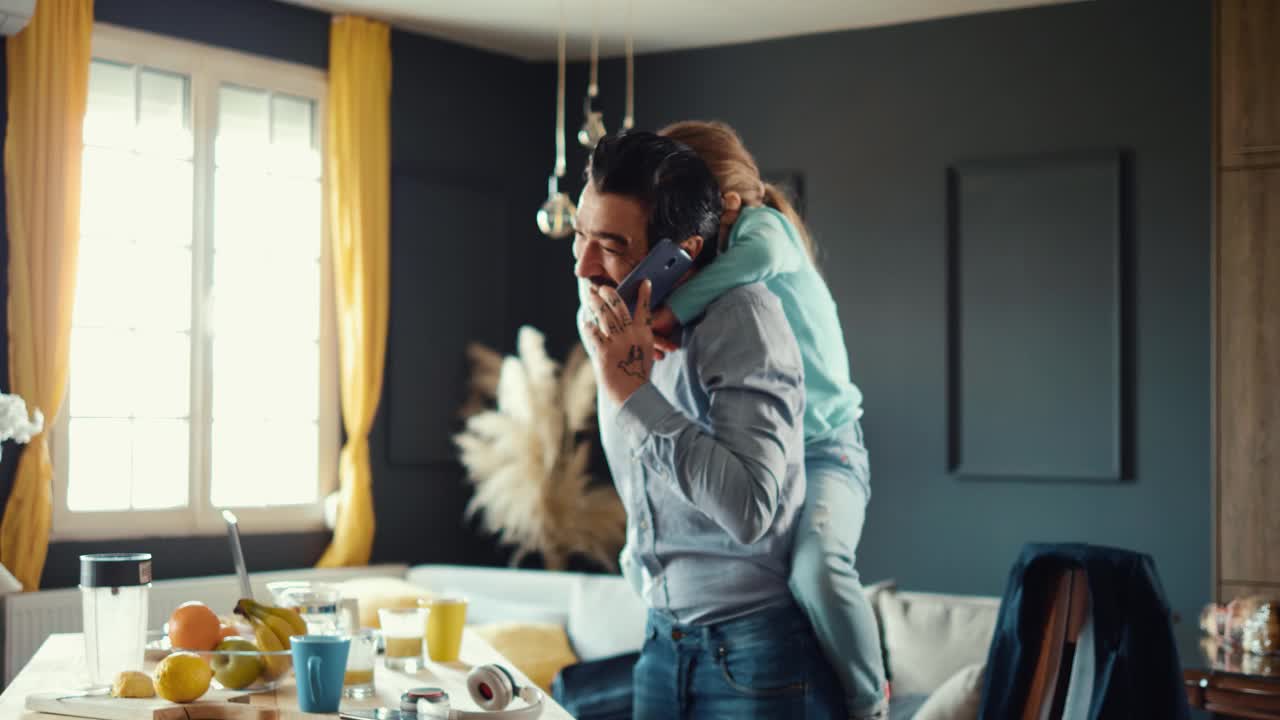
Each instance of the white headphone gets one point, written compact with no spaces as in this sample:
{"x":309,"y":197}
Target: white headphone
{"x":492,"y":687}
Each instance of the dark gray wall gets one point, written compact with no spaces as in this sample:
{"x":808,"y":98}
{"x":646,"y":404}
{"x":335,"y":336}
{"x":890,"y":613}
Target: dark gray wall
{"x":462,"y":132}
{"x":873,"y":119}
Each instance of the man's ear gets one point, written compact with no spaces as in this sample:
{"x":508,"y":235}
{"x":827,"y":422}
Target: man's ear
{"x":693,"y":246}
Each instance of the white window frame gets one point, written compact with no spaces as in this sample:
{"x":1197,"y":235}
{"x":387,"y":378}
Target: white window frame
{"x":208,"y":68}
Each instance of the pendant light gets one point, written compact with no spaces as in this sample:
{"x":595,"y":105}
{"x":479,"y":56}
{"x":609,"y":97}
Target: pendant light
{"x":556,"y":216}
{"x":592,"y":119}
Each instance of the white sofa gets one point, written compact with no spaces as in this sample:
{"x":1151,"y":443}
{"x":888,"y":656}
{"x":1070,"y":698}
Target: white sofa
{"x":936,"y":644}
{"x":600,"y":613}
{"x":931,"y":640}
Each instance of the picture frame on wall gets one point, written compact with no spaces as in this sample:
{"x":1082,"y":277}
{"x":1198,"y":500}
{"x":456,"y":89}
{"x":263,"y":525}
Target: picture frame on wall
{"x":1040,"y":318}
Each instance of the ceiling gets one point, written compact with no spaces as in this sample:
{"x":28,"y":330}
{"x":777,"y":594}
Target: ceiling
{"x":527,"y":28}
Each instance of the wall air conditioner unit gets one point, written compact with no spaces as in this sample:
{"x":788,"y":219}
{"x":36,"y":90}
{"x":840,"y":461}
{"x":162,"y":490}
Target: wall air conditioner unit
{"x":15,"y":14}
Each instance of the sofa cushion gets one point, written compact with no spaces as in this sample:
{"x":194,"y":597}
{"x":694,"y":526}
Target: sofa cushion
{"x":605,"y":617}
{"x":373,"y":593}
{"x":502,"y":594}
{"x":544,"y":587}
{"x":539,"y":650}
{"x":873,"y":593}
{"x":928,"y":637}
{"x":958,"y":698}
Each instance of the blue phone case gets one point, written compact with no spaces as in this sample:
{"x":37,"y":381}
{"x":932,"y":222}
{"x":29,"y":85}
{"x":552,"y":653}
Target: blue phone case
{"x":665,"y":264}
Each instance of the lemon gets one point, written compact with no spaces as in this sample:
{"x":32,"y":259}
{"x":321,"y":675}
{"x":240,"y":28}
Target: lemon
{"x":132,"y":684}
{"x":182,"y":677}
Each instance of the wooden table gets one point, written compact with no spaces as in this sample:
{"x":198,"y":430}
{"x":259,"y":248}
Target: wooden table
{"x":1226,"y":681}
{"x":59,"y":665}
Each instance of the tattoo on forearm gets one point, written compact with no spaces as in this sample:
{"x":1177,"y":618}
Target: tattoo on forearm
{"x":634,"y":364}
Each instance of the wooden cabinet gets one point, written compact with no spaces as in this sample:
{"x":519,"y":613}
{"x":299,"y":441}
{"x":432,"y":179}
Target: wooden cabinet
{"x":1234,"y":591}
{"x":1246,"y":340}
{"x":1248,"y":372}
{"x":1249,"y":82}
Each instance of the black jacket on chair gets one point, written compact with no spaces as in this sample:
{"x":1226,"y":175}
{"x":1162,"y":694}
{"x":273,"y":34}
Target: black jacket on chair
{"x":1137,"y":673}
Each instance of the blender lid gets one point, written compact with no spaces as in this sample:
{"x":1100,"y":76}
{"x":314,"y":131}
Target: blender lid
{"x":115,"y":570}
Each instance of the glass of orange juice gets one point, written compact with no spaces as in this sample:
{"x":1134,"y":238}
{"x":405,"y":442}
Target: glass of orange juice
{"x":402,"y":630}
{"x":358,"y":681}
{"x":446,"y":616}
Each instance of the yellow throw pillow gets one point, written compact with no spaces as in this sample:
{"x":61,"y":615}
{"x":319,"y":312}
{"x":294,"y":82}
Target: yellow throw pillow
{"x":373,"y":593}
{"x":539,"y":650}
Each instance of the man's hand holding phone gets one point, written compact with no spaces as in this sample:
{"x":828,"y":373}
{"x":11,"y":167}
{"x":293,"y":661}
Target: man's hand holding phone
{"x":622,"y":345}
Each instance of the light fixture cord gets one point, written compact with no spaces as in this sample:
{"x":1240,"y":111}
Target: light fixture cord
{"x":561,"y":163}
{"x":629,"y":117}
{"x":593,"y":85}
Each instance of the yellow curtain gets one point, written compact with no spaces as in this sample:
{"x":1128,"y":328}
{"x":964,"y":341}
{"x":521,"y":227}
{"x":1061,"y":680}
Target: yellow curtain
{"x":358,"y":167}
{"x":48,"y":66}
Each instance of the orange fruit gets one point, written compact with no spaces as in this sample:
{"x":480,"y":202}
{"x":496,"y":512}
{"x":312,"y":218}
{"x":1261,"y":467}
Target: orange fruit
{"x":193,"y":626}
{"x":226,"y":631}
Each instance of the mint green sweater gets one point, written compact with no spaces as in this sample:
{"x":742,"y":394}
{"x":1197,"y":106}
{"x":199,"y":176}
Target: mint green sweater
{"x":765,"y":247}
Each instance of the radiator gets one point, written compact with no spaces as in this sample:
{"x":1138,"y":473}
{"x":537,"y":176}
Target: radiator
{"x":30,"y":618}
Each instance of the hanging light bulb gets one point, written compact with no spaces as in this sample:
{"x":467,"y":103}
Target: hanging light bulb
{"x":592,"y":130}
{"x":557,"y":214}
{"x":629,"y":116}
{"x":592,"y":120}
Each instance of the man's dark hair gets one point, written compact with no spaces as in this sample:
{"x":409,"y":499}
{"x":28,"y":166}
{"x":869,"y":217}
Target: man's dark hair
{"x":681,"y":194}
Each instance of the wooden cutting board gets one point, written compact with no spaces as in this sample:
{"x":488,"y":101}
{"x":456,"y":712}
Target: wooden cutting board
{"x":215,"y":705}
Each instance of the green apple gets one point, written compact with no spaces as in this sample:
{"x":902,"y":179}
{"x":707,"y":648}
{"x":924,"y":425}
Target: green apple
{"x":236,"y":671}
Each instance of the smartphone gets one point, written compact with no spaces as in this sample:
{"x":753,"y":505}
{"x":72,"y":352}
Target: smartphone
{"x":377,"y":714}
{"x":665,"y":264}
{"x":386,"y":713}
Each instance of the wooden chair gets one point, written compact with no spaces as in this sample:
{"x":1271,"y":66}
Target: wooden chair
{"x":1067,"y":611}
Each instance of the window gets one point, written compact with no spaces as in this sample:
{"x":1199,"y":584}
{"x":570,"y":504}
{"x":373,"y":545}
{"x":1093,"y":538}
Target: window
{"x":203,"y":359}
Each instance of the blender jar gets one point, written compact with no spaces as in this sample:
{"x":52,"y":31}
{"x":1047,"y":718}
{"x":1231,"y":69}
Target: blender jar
{"x":114,"y":591}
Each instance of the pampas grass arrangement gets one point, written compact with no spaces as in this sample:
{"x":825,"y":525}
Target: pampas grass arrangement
{"x":530,"y":471}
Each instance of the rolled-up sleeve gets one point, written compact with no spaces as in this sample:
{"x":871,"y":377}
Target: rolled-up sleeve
{"x":732,"y":468}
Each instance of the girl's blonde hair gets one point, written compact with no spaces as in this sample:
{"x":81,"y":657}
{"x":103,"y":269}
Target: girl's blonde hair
{"x":736,"y":170}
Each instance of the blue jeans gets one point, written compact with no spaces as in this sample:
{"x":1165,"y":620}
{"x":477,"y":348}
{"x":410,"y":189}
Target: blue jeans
{"x":823,"y":578}
{"x":765,"y":665}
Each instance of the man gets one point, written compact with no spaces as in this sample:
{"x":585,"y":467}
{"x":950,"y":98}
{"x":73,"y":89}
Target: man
{"x":706,"y":449}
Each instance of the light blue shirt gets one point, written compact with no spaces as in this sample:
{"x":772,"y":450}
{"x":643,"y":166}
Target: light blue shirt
{"x":764,"y":246}
{"x":708,"y":458}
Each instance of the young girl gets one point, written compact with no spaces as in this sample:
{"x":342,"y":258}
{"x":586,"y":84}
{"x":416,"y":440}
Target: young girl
{"x":764,"y":240}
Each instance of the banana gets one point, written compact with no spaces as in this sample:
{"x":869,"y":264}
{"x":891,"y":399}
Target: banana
{"x":272,"y":631}
{"x":297,"y":625}
{"x":279,"y":627}
{"x":269,"y":642}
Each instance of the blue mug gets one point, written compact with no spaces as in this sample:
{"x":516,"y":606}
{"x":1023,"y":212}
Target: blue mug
{"x":319,"y":666}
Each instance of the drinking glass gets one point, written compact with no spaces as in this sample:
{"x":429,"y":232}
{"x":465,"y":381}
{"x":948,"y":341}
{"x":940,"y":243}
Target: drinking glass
{"x":358,"y":681}
{"x":445,"y":620}
{"x":402,"y":632}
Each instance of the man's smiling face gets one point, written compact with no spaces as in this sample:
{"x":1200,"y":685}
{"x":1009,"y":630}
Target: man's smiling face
{"x":611,"y":236}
